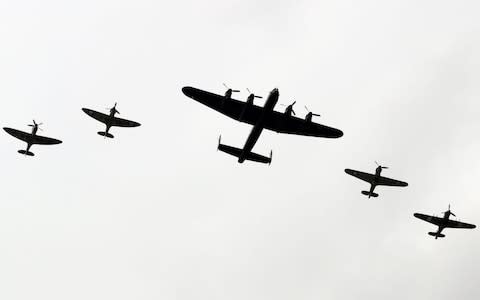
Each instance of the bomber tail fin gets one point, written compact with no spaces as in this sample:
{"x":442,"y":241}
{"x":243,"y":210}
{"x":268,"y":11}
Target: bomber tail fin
{"x":372,"y":194}
{"x":250,"y":156}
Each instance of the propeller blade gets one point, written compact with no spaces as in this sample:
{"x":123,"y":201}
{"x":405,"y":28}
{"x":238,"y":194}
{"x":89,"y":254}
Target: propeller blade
{"x":235,"y":91}
{"x":225,"y":86}
{"x":258,"y":97}
{"x":293,"y":112}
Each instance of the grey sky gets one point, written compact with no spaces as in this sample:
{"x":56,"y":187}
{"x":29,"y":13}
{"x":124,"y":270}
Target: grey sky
{"x":157,"y":213}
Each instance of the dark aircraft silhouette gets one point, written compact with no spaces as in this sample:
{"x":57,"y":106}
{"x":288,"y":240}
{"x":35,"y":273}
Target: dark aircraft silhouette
{"x":375,"y":179}
{"x":443,"y":223}
{"x":261,"y":118}
{"x":31,"y":138}
{"x":110,"y":120}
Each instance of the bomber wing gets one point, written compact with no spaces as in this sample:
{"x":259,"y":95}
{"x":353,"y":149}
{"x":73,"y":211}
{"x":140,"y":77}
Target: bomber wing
{"x":360,"y":175}
{"x":282,"y":123}
{"x":250,"y":114}
{"x":32,"y":139}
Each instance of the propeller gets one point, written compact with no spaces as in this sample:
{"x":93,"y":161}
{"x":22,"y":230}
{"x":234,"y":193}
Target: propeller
{"x":449,"y":211}
{"x":229,"y":89}
{"x":289,"y":107}
{"x":380,"y":165}
{"x":310,"y":114}
{"x":36,"y":125}
{"x":253,"y":95}
{"x":114,"y":108}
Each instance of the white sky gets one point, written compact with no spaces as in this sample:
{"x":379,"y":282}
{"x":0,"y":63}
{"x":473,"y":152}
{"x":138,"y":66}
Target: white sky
{"x":157,"y":213}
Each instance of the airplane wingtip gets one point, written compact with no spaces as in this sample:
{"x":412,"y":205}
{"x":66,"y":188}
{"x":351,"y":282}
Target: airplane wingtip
{"x":187,"y":90}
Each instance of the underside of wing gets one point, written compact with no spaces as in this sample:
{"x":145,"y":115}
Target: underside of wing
{"x":457,"y":224}
{"x":390,"y":182}
{"x":431,"y":219}
{"x":282,"y":123}
{"x":101,"y":117}
{"x":24,"y":136}
{"x":232,"y":108}
{"x":124,"y":123}
{"x":360,"y":175}
{"x":43,"y":140}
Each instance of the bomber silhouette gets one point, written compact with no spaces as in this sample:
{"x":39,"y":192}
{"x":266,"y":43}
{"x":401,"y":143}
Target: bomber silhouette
{"x":261,"y":118}
{"x":375,"y":179}
{"x":443,"y":223}
{"x":110,"y":120}
{"x":31,"y":138}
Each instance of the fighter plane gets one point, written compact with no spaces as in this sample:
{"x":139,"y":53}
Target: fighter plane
{"x":261,"y":118}
{"x":443,"y":223}
{"x":375,"y":179}
{"x":110,"y":120}
{"x":31,"y":138}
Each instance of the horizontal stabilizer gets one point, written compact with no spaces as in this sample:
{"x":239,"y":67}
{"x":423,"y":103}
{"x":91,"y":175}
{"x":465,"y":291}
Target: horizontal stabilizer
{"x":24,"y":152}
{"x":367,"y":193}
{"x":250,"y":156}
{"x":105,"y":134}
{"x":436,"y":235}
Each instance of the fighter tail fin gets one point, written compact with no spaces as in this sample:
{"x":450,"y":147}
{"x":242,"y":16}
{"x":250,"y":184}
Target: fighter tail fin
{"x":436,"y":235}
{"x":105,"y":134}
{"x":372,"y":194}
{"x":25,"y":152}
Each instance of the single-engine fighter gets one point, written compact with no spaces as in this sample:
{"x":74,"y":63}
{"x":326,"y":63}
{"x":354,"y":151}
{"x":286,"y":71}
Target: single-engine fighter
{"x":110,"y":120}
{"x":261,"y":118}
{"x":31,"y":138}
{"x":443,"y":223}
{"x":375,"y":179}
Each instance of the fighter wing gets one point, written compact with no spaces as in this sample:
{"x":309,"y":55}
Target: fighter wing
{"x":24,"y":136}
{"x":390,"y":182}
{"x":457,"y":224}
{"x":124,"y":123}
{"x":43,"y":140}
{"x":282,"y":123}
{"x":101,"y":117}
{"x":32,"y":139}
{"x":431,"y":219}
{"x":250,"y":114}
{"x":360,"y":175}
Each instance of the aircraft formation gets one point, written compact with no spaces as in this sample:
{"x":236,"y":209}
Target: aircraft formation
{"x":260,"y":117}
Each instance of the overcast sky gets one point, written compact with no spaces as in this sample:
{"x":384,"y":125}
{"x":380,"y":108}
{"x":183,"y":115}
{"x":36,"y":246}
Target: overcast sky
{"x":158,"y":213}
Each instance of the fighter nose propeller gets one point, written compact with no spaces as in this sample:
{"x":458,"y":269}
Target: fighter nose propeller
{"x":380,"y":165}
{"x":228,"y":93}
{"x":114,"y":108}
{"x":309,"y":115}
{"x":449,"y":211}
{"x":36,"y":125}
